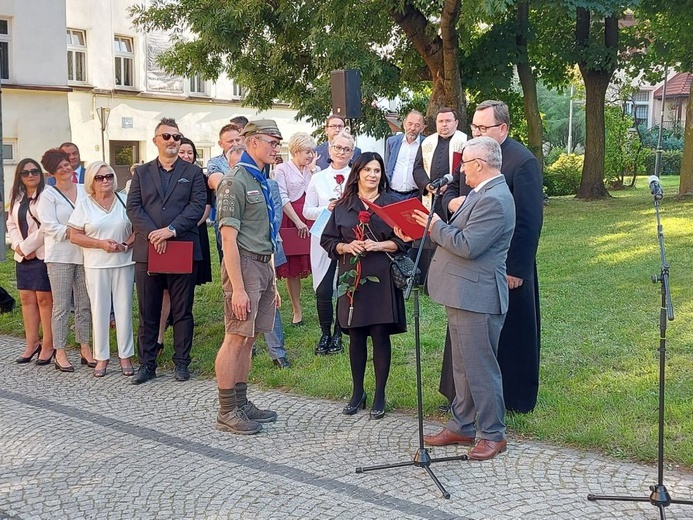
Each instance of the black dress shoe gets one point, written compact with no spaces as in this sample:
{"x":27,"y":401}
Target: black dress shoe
{"x":335,"y":346}
{"x":281,"y":362}
{"x":181,"y":373}
{"x":351,"y":409}
{"x":376,"y":414}
{"x":22,"y":359}
{"x":444,"y":408}
{"x":42,"y":362}
{"x":90,"y":364}
{"x":144,"y":374}
{"x":323,"y":345}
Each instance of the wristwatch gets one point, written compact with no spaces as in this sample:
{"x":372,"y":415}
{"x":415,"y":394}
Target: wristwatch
{"x":172,"y":230}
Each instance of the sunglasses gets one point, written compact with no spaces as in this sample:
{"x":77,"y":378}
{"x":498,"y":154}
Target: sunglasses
{"x":166,"y":136}
{"x":34,"y":172}
{"x":101,"y":178}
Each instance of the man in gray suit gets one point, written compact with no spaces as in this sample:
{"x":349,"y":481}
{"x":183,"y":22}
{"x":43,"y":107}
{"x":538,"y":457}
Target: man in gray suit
{"x":467,"y":275}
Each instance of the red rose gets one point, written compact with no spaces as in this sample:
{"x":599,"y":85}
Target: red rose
{"x":339,"y":178}
{"x":364,"y":217}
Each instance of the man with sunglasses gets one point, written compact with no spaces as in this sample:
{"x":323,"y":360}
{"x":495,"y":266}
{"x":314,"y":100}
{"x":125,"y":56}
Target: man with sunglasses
{"x":333,"y":126}
{"x":518,"y":349}
{"x":166,"y":201}
{"x":249,"y":234}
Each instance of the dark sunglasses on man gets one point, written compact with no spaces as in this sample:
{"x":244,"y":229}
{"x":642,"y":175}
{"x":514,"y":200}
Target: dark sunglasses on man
{"x":34,"y":172}
{"x":166,"y":136}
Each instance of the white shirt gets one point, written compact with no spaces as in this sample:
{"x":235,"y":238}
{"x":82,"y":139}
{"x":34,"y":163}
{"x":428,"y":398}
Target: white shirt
{"x":111,"y":224}
{"x":53,"y":213}
{"x":402,"y":177}
{"x":293,"y":182}
{"x":323,"y":189}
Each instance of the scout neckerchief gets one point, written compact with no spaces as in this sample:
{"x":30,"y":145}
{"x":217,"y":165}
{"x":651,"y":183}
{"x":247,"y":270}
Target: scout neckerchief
{"x":249,"y":164}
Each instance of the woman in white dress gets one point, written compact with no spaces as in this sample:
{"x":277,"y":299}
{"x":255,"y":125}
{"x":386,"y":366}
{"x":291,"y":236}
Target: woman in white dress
{"x":324,"y":190}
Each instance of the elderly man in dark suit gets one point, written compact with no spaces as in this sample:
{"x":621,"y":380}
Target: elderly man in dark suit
{"x":467,"y":275}
{"x":400,"y":152}
{"x":166,"y":201}
{"x":518,"y":350}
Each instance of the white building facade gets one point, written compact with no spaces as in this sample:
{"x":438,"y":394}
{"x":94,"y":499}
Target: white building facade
{"x":77,"y":70}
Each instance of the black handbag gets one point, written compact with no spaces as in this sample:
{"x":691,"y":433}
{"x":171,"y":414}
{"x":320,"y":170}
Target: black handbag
{"x":402,"y":269}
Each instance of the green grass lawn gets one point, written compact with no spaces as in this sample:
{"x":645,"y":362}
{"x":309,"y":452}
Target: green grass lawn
{"x":600,"y":332}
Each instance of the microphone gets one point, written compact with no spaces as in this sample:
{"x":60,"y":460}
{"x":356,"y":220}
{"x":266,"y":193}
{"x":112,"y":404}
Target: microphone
{"x":655,"y":187}
{"x":442,"y":181}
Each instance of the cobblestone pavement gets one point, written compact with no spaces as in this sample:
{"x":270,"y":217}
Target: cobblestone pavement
{"x":73,"y":446}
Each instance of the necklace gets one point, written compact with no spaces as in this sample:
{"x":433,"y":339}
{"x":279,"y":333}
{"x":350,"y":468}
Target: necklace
{"x":371,"y":197}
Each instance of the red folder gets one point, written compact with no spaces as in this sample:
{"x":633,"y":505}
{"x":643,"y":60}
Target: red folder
{"x":177,"y":259}
{"x":456,"y":161}
{"x":294,"y":245}
{"x":400,"y":214}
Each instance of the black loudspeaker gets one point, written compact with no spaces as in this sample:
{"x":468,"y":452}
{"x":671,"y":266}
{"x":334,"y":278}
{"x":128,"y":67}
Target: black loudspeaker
{"x":346,"y":93}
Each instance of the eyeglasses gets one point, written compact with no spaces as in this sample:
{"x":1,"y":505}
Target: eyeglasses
{"x":273,"y":144}
{"x":342,"y":149}
{"x":475,"y":159}
{"x":34,"y":172}
{"x":483,"y":129}
{"x":166,"y":136}
{"x":339,"y":127}
{"x":101,"y":178}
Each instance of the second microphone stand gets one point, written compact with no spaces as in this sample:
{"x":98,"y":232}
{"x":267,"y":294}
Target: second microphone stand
{"x":422,"y":458}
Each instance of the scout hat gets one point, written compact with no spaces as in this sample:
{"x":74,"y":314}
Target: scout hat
{"x":262,"y":126}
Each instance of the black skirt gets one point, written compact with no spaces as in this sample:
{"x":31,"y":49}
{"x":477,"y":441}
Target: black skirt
{"x":32,"y":275}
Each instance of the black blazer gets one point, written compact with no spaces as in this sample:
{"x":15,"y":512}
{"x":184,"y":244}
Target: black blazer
{"x":182,"y":206}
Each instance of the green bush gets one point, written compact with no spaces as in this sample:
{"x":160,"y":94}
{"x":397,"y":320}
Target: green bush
{"x":563,"y":176}
{"x":671,"y":162}
{"x":672,"y":139}
{"x":553,"y":155}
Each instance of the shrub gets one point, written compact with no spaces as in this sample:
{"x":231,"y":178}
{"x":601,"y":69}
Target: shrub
{"x":671,"y":139}
{"x":563,"y":176}
{"x":671,"y":162}
{"x":553,"y":155}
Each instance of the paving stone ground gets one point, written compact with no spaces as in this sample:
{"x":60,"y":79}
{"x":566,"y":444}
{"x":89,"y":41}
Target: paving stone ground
{"x":76,"y":447}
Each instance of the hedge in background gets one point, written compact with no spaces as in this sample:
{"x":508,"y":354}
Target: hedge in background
{"x":671,"y":162}
{"x":563,"y":176}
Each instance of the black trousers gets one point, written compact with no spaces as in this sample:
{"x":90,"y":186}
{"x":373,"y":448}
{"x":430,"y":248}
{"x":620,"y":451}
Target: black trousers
{"x":150,"y":291}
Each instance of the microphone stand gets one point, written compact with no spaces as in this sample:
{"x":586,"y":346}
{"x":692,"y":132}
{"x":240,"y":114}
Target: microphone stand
{"x":421,"y":459}
{"x":659,"y":496}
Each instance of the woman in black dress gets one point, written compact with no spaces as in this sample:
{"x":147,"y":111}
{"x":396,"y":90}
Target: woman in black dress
{"x":26,"y":240}
{"x":361,"y":243}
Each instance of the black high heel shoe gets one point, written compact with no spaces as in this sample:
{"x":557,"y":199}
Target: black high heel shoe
{"x":350,"y":409}
{"x":58,"y":366}
{"x":83,"y":361}
{"x":376,"y":414}
{"x":22,"y":359}
{"x":42,"y":362}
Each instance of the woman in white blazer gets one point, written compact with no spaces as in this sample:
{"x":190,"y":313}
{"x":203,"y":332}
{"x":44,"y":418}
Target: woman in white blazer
{"x":26,"y":240}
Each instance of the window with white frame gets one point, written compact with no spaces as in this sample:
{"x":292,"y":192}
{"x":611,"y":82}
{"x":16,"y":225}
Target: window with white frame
{"x":198,"y":85}
{"x":237,"y":92}
{"x":124,"y":61}
{"x":9,"y":152}
{"x":4,"y":49}
{"x":76,"y":56}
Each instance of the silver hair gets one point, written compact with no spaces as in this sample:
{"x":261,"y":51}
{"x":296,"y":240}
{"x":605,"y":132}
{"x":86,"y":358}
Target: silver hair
{"x":487,"y":149}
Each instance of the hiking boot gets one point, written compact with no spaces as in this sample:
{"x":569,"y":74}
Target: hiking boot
{"x":236,"y":421}
{"x":253,"y":413}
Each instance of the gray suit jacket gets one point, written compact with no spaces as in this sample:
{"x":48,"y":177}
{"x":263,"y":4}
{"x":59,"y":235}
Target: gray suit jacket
{"x":468,"y":269}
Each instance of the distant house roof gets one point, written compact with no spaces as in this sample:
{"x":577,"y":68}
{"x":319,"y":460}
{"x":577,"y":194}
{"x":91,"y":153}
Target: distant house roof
{"x":678,"y":86}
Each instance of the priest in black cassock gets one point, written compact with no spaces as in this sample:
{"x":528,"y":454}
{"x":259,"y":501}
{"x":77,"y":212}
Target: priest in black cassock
{"x":519,"y":345}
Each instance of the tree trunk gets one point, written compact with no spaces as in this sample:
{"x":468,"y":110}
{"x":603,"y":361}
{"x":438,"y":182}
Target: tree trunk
{"x":596,"y":73}
{"x":440,"y":53}
{"x":528,"y":82}
{"x":592,"y":183}
{"x":686,"y":180}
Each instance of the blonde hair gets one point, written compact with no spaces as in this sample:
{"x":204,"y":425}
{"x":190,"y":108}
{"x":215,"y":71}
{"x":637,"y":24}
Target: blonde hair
{"x":92,"y":171}
{"x":301,"y":141}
